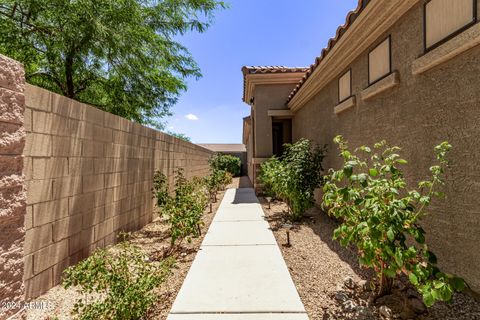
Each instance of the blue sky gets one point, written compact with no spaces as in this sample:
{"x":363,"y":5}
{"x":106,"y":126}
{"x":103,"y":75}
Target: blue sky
{"x":250,"y":32}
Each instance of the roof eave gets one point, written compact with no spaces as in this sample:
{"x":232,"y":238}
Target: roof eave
{"x":351,"y":40}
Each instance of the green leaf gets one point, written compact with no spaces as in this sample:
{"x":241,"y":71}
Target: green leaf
{"x":413,"y":279}
{"x":399,"y":258}
{"x":390,"y":235}
{"x":428,"y":299}
{"x":458,"y":284}
{"x":348,"y":170}
{"x":373,"y":172}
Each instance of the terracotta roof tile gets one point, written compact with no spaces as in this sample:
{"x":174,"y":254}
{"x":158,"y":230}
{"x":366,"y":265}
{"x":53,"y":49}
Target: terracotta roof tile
{"x":351,"y":17}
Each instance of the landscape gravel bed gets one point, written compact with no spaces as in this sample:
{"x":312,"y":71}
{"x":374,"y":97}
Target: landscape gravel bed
{"x":153,"y":239}
{"x":331,"y":283}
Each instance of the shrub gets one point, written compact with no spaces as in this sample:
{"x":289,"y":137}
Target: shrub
{"x":160,"y":188}
{"x":295,"y":176}
{"x":381,"y":217}
{"x":123,"y":279}
{"x":226,"y":163}
{"x":272,"y":177}
{"x":184,"y":209}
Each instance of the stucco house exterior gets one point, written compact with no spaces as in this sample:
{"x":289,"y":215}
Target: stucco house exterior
{"x":405,"y":71}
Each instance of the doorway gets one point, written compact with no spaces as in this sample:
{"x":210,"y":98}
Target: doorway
{"x":281,"y":134}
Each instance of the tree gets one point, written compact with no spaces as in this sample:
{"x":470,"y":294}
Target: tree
{"x":119,"y":55}
{"x":178,"y":135}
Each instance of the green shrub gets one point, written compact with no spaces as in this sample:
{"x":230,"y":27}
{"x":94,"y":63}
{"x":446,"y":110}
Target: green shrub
{"x":183,"y":210}
{"x":160,"y":188}
{"x":272,"y":176}
{"x":295,"y":176}
{"x":381,"y":216}
{"x":226,"y":163}
{"x":123,"y":281}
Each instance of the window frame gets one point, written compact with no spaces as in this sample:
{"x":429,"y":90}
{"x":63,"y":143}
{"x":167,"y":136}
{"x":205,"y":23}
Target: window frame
{"x":389,"y":38}
{"x":351,"y":86}
{"x":451,"y":35}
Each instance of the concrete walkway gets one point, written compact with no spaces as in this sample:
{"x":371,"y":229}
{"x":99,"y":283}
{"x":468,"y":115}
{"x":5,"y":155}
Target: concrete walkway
{"x":239,"y":273}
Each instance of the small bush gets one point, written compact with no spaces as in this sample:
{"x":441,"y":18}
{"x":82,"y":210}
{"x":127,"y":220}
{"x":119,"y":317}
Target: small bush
{"x":295,"y":176}
{"x":123,"y":281}
{"x":225,"y":162}
{"x":381,"y":216}
{"x":183,"y":210}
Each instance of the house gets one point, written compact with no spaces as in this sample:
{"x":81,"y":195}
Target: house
{"x":404,"y":71}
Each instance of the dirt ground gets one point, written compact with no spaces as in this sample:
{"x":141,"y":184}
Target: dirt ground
{"x":319,"y":267}
{"x":152,"y":239}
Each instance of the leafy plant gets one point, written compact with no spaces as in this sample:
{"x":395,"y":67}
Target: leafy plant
{"x":295,"y":176}
{"x":226,"y":162}
{"x":121,"y":279}
{"x":184,"y":209}
{"x":272,"y":175}
{"x":160,"y":188}
{"x":381,"y":216}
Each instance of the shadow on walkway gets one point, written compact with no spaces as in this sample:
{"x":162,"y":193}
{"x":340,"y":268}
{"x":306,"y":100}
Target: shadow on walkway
{"x":245,"y":182}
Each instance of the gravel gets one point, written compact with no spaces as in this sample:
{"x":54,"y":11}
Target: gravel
{"x":154,"y":240}
{"x":330,"y":281}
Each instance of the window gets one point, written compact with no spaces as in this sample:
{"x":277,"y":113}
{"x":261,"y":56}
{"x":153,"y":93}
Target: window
{"x":446,"y":18}
{"x":379,"y":61}
{"x":345,"y":86}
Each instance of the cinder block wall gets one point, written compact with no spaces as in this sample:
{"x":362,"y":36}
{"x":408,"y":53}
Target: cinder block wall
{"x":12,"y":193}
{"x":89,"y":176}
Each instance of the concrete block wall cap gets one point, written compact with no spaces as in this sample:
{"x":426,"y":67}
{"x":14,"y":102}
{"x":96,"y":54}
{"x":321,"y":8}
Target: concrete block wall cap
{"x":383,"y":85}
{"x":12,"y":74}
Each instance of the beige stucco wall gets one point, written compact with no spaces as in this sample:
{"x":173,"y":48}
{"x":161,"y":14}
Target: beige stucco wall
{"x":89,"y":176}
{"x":422,"y":111}
{"x":12,"y":190}
{"x":267,"y":97}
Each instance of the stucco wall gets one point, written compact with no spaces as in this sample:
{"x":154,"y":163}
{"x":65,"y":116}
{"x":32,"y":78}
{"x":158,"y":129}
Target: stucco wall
{"x":12,"y":191}
{"x":267,"y":97}
{"x":422,"y":111}
{"x":89,"y":176}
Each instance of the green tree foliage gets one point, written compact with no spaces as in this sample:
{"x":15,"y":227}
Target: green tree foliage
{"x":295,"y":176}
{"x":123,"y":280}
{"x":381,"y":216}
{"x":119,"y":55}
{"x":226,"y":162}
{"x":180,"y":136}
